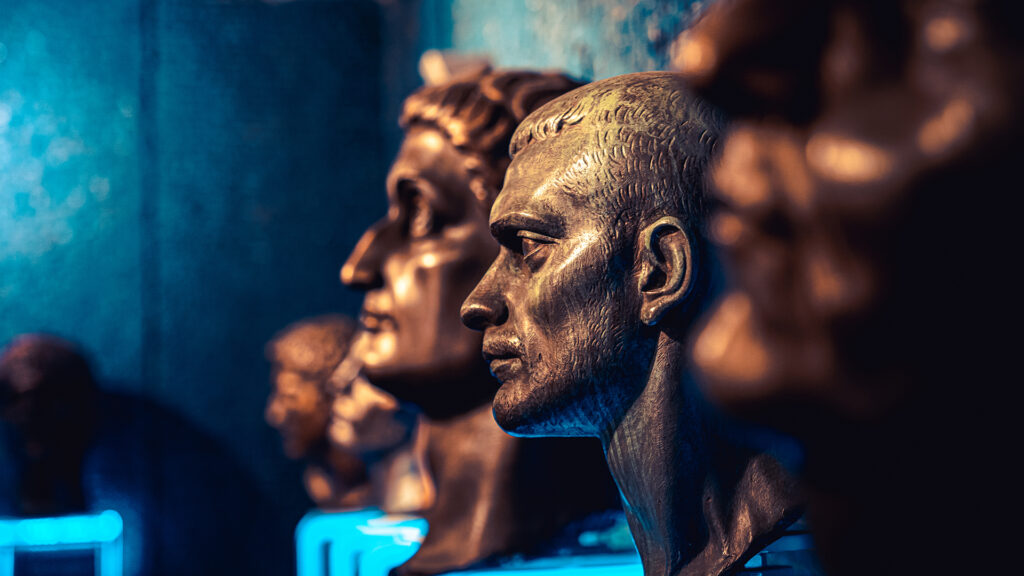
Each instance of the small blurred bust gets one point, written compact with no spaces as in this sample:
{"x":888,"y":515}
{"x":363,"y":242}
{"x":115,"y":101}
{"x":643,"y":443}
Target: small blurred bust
{"x":304,"y":355}
{"x":357,"y":439}
{"x":48,"y":406}
{"x":368,"y":421}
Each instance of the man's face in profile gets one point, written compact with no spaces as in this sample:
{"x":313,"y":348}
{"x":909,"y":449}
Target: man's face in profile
{"x":297,"y":408}
{"x":557,"y":307}
{"x":417,"y":264}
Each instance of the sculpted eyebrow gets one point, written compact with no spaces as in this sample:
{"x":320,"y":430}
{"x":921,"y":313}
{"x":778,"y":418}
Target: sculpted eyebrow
{"x":553,"y":227}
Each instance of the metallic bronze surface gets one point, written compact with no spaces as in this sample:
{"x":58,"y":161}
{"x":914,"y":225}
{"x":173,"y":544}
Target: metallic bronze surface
{"x":586,"y":310}
{"x":367,"y":456}
{"x":863,"y":187}
{"x":387,"y":436}
{"x":495,"y":494}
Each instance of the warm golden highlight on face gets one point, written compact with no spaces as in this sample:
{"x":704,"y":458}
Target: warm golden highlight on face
{"x":419,"y":262}
{"x":565,"y":303}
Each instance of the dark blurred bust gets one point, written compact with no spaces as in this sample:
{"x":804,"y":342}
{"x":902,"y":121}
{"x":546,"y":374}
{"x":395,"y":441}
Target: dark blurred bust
{"x":48,"y":401}
{"x":863,"y":189}
{"x":68,"y":445}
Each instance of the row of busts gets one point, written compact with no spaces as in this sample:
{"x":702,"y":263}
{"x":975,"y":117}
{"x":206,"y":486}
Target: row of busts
{"x":572,"y":235}
{"x":582,"y":261}
{"x":596,"y":269}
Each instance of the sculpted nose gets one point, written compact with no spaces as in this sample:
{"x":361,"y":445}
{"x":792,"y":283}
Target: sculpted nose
{"x":485,"y":305}
{"x":274,"y":413}
{"x":362,"y":269}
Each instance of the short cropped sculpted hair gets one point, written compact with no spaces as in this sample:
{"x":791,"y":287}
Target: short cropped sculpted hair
{"x":647,"y":143}
{"x":478,"y":115}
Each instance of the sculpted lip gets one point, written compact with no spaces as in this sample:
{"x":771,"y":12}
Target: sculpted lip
{"x":373,"y":321}
{"x":503,"y":355}
{"x":501,"y":348}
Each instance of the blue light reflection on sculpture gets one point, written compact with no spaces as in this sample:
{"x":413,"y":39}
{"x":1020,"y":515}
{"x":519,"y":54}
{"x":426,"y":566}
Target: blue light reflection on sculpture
{"x":102,"y":532}
{"x":369,"y":543}
{"x":568,"y":567}
{"x":358,"y":542}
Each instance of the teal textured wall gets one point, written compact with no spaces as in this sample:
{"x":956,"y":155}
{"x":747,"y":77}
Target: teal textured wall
{"x":69,"y":202}
{"x":592,"y":39}
{"x":589,"y":39}
{"x":179,"y":179}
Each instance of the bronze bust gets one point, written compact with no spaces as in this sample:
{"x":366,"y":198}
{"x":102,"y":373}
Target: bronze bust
{"x":385,"y":434}
{"x":862,"y":189}
{"x":495,"y":494}
{"x":353,"y":463}
{"x":586,"y":310}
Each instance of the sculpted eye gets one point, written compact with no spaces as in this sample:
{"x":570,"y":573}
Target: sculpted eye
{"x":533,"y":246}
{"x":421,"y":217}
{"x":529,"y":247}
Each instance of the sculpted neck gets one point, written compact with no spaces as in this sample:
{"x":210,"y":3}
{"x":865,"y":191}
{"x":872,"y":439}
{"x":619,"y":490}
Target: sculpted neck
{"x":662,"y":456}
{"x":470,"y":459}
{"x":469,"y":456}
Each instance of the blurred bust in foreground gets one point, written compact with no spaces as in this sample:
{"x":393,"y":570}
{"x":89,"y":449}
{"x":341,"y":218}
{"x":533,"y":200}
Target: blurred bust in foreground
{"x":863,"y":194}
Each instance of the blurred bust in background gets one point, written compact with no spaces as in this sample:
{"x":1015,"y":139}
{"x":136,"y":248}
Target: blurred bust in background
{"x":69,"y":445}
{"x":48,"y":402}
{"x":353,"y":459}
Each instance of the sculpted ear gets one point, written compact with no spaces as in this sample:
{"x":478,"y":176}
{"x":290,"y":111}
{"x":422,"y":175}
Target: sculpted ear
{"x":666,"y":270}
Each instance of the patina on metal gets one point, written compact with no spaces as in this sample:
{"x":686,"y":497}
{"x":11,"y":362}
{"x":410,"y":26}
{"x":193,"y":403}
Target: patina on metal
{"x":863,"y":190}
{"x":495,"y":494}
{"x":587,"y":308}
{"x":357,"y":440}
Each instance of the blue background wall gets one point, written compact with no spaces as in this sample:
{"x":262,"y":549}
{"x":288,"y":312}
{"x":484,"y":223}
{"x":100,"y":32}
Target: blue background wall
{"x":181,"y":178}
{"x":592,"y":39}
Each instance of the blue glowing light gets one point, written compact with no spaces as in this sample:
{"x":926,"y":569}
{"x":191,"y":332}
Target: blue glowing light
{"x":101,"y":532}
{"x":363,"y":542}
{"x":585,"y":565}
{"x":369,"y":543}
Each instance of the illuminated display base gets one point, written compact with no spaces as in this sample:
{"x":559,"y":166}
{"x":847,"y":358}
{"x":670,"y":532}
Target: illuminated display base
{"x":102,"y":533}
{"x":370,"y":543}
{"x":361,"y":542}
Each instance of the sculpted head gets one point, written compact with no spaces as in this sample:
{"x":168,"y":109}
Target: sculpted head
{"x":418,"y":263}
{"x":303,"y":356}
{"x":310,"y":408}
{"x":47,"y":395}
{"x":600,"y":225}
